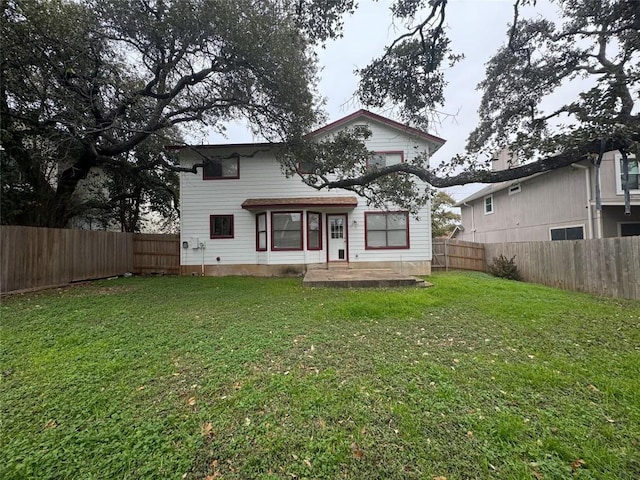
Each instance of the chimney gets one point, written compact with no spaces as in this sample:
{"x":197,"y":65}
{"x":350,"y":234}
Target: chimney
{"x":503,"y":159}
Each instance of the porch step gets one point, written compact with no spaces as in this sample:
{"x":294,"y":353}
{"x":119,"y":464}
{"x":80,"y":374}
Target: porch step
{"x":359,"y":278}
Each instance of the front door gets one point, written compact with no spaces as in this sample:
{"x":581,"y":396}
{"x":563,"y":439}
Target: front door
{"x":337,"y":233}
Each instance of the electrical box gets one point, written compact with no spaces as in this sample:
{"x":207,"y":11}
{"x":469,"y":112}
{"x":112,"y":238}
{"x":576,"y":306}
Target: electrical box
{"x":191,"y":242}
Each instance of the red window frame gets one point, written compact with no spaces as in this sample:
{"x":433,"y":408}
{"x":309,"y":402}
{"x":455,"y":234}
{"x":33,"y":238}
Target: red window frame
{"x":212,"y":219}
{"x":366,"y":231}
{"x":275,"y":248}
{"x":258,"y":232}
{"x":319,"y":247}
{"x":236,"y":177}
{"x":389,"y":152}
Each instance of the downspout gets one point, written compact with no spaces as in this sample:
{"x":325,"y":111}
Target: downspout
{"x":587,"y":178}
{"x":473,"y":221}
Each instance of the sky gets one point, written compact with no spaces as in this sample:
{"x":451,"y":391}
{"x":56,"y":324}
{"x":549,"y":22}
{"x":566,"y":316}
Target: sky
{"x":477,"y":28}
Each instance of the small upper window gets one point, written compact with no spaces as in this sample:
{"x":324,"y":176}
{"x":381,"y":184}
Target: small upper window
{"x":306,"y":167}
{"x":221,"y":168}
{"x":634,"y":175}
{"x":488,"y":204}
{"x":221,"y":226}
{"x":384,"y":159}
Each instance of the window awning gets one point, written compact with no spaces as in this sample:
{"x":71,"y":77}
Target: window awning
{"x":300,"y":202}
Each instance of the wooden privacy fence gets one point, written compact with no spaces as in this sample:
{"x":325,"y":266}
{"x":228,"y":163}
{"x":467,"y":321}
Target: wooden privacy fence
{"x":458,"y":255}
{"x":156,"y":253}
{"x":33,"y":258}
{"x":609,"y":266}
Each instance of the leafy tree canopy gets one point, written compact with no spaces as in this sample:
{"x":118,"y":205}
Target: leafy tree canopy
{"x":596,"y":42}
{"x":86,"y":82}
{"x":443,"y":218}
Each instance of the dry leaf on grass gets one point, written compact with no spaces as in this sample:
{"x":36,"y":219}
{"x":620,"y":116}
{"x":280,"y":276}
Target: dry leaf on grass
{"x":576,"y":464}
{"x":357,"y":452}
{"x":51,"y":424}
{"x":207,"y":430}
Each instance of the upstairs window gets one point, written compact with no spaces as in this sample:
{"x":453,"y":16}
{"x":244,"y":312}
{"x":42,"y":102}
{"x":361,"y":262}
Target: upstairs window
{"x":221,"y":226}
{"x":386,"y":230}
{"x":634,"y":175}
{"x":488,"y":205}
{"x":385,"y":159}
{"x":221,"y":168}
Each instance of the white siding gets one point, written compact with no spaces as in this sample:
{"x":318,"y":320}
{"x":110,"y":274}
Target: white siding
{"x":261,"y":177}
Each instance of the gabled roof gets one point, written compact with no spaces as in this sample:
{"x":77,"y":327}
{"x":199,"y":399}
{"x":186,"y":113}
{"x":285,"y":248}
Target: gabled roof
{"x":437,"y":141}
{"x":405,"y":129}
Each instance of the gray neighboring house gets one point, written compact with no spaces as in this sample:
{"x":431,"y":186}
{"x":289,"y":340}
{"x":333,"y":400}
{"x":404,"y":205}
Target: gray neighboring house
{"x":554,"y":205}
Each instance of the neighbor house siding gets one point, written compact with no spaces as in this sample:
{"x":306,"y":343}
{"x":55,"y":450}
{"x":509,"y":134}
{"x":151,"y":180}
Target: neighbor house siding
{"x":544,"y":202}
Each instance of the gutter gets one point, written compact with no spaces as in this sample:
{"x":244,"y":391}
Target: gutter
{"x":473,"y":221}
{"x":587,"y":177}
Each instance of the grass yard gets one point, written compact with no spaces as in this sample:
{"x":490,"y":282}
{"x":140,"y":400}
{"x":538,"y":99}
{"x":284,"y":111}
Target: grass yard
{"x":240,"y":378}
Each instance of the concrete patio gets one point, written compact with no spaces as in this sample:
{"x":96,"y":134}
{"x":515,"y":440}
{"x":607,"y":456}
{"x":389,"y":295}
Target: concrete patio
{"x":359,"y":278}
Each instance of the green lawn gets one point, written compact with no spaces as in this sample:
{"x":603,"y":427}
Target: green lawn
{"x":262,"y":378}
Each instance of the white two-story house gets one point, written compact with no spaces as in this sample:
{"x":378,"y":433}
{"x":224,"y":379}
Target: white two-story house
{"x":240,"y":215}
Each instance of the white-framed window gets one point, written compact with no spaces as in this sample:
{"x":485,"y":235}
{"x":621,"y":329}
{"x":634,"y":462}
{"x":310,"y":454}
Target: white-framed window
{"x":488,"y":205}
{"x":634,"y":174}
{"x":513,"y":189}
{"x":628,"y":229}
{"x":384,"y":159}
{"x":573,"y":232}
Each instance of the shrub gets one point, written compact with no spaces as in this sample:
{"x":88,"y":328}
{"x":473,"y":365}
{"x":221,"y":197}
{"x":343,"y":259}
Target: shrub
{"x":504,"y":267}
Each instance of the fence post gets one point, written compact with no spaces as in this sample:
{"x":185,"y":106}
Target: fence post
{"x":446,"y":256}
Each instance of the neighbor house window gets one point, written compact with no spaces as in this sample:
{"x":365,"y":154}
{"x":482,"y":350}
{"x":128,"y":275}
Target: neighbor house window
{"x":261,"y":232}
{"x":386,"y":230}
{"x":221,"y":226}
{"x":488,"y":204}
{"x":384,"y":159}
{"x":286,"y":231}
{"x":634,"y":175}
{"x":221,"y":168}
{"x":567,"y":233}
{"x":314,"y":231}
{"x":629,"y":229}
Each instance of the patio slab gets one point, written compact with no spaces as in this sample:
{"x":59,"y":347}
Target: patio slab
{"x":359,"y":278}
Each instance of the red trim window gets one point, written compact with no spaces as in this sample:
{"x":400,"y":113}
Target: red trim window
{"x":384,"y":159}
{"x":386,"y":230}
{"x":222,"y":168}
{"x":286,"y":230}
{"x":314,"y":231}
{"x":220,"y":226}
{"x":261,"y":232}
{"x":306,"y":167}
